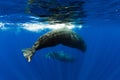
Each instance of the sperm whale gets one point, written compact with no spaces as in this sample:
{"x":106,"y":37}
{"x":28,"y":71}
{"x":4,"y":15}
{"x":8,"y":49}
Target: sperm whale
{"x":63,"y":36}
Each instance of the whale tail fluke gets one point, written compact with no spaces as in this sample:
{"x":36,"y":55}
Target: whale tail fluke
{"x":28,"y":53}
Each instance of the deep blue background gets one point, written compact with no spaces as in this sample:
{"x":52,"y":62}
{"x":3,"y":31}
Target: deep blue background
{"x":101,"y":61}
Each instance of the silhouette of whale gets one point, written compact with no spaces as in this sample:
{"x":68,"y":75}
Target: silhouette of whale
{"x":60,"y":56}
{"x":62,"y":36}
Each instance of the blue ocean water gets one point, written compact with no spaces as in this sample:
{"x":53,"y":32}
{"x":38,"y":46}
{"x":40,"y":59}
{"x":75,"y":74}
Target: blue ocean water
{"x":101,"y":32}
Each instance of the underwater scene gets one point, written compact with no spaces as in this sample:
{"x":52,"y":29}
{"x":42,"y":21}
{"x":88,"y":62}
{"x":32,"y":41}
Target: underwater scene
{"x":60,"y":40}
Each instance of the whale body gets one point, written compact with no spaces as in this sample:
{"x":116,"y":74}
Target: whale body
{"x":62,"y":36}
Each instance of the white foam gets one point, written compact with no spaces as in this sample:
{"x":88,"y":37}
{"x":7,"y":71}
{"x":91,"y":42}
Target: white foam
{"x":2,"y":26}
{"x":35,"y":27}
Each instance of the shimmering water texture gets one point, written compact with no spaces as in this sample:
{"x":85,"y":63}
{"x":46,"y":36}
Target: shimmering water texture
{"x":54,"y":11}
